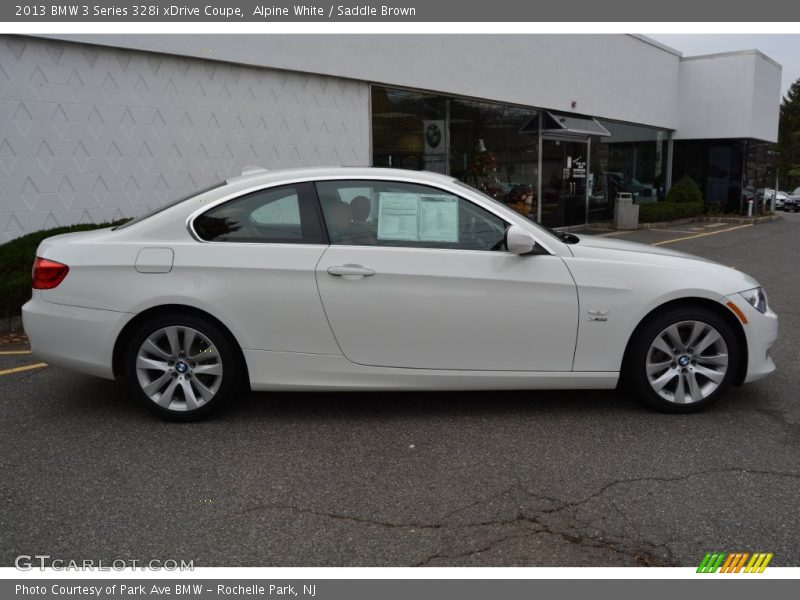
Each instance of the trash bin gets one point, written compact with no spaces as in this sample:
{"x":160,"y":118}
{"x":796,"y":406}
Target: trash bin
{"x":626,"y":213}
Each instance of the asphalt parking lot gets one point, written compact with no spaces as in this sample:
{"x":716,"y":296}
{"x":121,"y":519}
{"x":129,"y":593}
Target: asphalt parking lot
{"x":480,"y":479}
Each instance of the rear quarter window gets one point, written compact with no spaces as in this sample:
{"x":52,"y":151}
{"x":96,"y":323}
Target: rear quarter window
{"x":285,"y":214}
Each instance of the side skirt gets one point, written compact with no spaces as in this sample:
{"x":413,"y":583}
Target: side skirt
{"x":325,"y":372}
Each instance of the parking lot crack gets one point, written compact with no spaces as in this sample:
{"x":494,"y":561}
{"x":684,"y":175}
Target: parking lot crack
{"x":675,"y":478}
{"x":396,"y":524}
{"x":528,"y":523}
{"x":343,"y":517}
{"x":445,"y":555}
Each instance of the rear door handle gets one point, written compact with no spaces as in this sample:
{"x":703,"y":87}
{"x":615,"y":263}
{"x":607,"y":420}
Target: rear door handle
{"x":350,"y":270}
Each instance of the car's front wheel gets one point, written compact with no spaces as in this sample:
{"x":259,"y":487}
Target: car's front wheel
{"x":182,"y":367}
{"x":683,"y":360}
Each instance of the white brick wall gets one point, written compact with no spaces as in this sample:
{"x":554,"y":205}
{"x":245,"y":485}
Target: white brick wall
{"x":90,"y":134}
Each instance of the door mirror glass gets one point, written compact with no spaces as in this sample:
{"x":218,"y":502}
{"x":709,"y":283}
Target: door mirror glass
{"x":519,"y":240}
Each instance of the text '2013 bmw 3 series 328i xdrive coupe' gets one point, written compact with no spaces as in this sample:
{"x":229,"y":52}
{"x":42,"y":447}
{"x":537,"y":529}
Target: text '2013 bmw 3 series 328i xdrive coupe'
{"x":382,"y":279}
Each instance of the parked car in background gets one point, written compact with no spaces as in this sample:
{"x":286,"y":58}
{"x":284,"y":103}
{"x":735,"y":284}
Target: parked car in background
{"x":765,"y":194}
{"x":780,"y":198}
{"x":382,"y":279}
{"x":792,"y":201}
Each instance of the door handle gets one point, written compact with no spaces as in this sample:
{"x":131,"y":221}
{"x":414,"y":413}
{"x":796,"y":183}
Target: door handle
{"x":350,"y":270}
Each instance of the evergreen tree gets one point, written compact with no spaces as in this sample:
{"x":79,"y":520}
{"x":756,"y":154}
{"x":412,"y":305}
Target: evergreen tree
{"x":789,"y":139}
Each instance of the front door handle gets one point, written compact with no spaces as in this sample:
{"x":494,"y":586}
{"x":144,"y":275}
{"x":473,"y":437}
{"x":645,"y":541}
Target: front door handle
{"x":350,"y":270}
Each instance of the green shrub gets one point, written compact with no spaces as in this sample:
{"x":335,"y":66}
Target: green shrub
{"x":669,"y":211}
{"x":685,"y":190}
{"x":16,"y":262}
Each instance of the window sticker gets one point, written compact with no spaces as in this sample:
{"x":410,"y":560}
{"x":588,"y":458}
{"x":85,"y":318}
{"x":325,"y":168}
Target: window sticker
{"x":418,"y":217}
{"x":438,"y":218}
{"x":397,"y":216}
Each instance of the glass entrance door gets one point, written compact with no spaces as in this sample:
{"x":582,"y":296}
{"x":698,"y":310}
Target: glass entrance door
{"x":563,"y":178}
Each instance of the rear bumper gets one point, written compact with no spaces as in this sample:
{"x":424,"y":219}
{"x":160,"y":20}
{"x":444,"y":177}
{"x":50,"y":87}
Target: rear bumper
{"x":71,"y":336}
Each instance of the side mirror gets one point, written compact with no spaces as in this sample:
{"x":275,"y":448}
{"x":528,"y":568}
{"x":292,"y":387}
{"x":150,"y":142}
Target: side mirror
{"x":519,"y":241}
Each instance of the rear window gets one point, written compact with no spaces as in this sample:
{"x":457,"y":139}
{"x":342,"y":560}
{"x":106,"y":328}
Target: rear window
{"x":169,"y":204}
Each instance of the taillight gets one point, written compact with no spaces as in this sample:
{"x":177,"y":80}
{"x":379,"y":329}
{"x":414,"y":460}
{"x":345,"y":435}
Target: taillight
{"x":47,"y":274}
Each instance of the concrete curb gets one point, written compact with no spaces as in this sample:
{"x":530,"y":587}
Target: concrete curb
{"x":703,"y":219}
{"x":706,"y":219}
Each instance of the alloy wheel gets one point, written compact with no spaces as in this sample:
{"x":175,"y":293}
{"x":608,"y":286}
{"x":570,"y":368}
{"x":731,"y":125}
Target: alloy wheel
{"x":687,"y":362}
{"x":179,"y":368}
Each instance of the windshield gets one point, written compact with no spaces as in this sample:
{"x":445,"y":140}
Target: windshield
{"x":541,"y":228}
{"x":164,"y":207}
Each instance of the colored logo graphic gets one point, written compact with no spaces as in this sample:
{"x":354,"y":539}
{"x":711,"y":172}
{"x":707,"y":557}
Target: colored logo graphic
{"x":734,"y":562}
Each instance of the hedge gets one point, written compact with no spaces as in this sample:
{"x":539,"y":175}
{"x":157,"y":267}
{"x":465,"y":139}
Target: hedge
{"x":669,"y":211}
{"x":16,"y":262}
{"x":685,"y":190}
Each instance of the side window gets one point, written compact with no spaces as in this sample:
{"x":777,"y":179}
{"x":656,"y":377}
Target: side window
{"x":384,"y":213}
{"x":284,"y":214}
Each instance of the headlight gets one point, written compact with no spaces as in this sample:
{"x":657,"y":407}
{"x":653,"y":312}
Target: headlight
{"x":757,"y":298}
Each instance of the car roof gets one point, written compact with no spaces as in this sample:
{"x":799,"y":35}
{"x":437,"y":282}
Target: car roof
{"x":255,"y":174}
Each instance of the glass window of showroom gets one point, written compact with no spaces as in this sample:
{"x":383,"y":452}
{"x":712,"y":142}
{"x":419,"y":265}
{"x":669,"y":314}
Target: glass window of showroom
{"x":557,"y":169}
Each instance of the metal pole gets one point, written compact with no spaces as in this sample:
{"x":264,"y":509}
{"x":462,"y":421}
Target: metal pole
{"x":586,"y":181}
{"x":668,"y":177}
{"x":775,"y":193}
{"x":539,"y":174}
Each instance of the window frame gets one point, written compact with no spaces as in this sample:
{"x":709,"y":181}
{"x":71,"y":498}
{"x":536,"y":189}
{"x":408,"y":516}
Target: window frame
{"x":308,"y":207}
{"x":371,"y":182}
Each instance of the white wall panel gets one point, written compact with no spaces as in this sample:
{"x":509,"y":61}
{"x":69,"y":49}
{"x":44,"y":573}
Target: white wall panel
{"x":91,"y":134}
{"x":731,"y":95}
{"x":613,"y":76}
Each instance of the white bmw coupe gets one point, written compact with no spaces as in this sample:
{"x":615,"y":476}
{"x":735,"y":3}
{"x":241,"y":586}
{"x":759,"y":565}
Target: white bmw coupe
{"x":382,"y":279}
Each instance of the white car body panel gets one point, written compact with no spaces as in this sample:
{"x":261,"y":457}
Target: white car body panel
{"x":629,"y":280}
{"x":457,"y":309}
{"x":761,"y":336}
{"x":427,"y":319}
{"x":74,"y":337}
{"x":317,"y":372}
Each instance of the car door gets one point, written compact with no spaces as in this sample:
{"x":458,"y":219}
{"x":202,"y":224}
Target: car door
{"x":416,"y":277}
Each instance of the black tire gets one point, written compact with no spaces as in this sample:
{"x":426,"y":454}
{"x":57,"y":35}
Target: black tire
{"x":211,"y":347}
{"x":682,"y":379}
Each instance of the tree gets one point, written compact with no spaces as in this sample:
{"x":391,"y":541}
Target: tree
{"x":789,"y":139}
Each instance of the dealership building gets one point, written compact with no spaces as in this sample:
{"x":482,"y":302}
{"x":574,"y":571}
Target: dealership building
{"x":95,"y":128}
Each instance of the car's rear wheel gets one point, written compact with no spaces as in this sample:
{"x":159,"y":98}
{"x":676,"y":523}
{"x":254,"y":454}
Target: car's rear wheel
{"x":182,"y":367}
{"x":683,"y":360}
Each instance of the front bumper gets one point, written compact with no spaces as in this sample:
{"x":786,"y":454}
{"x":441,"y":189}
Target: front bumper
{"x":71,"y":336}
{"x":761,"y":332}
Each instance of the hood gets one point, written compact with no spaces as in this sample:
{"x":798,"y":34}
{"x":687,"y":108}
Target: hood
{"x":606,"y":243}
{"x":603,"y":248}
